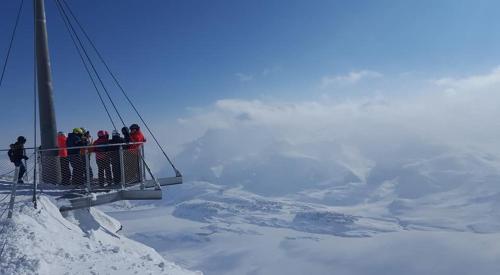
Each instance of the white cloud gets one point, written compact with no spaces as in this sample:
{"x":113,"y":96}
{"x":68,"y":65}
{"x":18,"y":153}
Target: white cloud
{"x":244,"y":77}
{"x":450,"y":117}
{"x":371,"y":121}
{"x":473,"y":82}
{"x":351,"y":78}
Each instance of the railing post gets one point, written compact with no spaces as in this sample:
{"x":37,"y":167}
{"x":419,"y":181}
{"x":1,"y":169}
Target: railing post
{"x":35,"y":178}
{"x":40,"y":166}
{"x":143,"y":162}
{"x":26,"y":175}
{"x":122,"y":168}
{"x":142,"y":169}
{"x":87,"y":168}
{"x":13,"y":193}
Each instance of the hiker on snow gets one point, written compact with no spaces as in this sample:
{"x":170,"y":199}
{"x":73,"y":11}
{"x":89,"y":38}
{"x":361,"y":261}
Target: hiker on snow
{"x":17,"y":154}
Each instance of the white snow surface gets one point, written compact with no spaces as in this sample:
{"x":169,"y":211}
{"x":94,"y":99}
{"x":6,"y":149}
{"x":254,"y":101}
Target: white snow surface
{"x":351,"y":201}
{"x":227,"y":230}
{"x":42,"y":241}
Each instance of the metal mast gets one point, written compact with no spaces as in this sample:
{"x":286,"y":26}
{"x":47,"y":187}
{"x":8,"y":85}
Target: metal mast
{"x":51,"y":171}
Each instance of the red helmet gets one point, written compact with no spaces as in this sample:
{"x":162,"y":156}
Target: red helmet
{"x":101,"y":133}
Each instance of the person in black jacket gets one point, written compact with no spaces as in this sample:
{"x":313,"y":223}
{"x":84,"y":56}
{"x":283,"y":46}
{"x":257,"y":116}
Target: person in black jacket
{"x":75,"y":158}
{"x":17,"y":154}
{"x":126,"y":134}
{"x":128,"y":158}
{"x":114,"y":152}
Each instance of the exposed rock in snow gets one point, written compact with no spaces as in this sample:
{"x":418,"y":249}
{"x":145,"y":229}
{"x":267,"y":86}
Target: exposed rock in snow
{"x":42,"y":241}
{"x":324,"y":221}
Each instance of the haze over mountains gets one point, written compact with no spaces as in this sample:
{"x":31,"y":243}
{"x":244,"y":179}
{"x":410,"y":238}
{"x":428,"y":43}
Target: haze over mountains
{"x":360,"y":186}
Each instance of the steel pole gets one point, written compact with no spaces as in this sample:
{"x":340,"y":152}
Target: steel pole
{"x":13,"y":193}
{"x":51,"y":171}
{"x":122,"y":168}
{"x":87,"y":169}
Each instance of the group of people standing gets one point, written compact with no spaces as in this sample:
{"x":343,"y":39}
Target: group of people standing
{"x":107,"y":154}
{"x":75,"y":149}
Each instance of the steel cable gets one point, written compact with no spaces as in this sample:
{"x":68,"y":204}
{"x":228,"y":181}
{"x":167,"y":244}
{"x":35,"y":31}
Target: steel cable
{"x":66,"y":23}
{"x":11,"y":41}
{"x":119,"y":85}
{"x":64,"y":14}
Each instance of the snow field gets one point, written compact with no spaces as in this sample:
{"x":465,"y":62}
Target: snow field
{"x":42,"y":241}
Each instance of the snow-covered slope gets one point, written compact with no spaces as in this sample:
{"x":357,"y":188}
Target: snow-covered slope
{"x":226,"y":230}
{"x":42,"y":241}
{"x":418,"y":183}
{"x":261,"y":204}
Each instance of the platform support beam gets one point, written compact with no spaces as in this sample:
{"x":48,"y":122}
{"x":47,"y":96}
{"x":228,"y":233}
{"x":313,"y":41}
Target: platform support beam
{"x":89,"y":201}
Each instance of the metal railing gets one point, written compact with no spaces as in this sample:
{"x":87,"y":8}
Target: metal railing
{"x":13,"y":194}
{"x":85,"y":167}
{"x":95,"y":167}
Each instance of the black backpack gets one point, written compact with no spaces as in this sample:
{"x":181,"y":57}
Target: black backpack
{"x":11,"y":153}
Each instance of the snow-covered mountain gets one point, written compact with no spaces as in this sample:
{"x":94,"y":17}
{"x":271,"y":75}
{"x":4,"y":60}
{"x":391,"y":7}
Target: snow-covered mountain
{"x":264,"y":168}
{"x":258,"y":203}
{"x":42,"y":241}
{"x":345,"y":172}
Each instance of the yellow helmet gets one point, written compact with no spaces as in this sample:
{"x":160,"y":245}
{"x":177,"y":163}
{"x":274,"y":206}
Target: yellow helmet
{"x":77,"y":131}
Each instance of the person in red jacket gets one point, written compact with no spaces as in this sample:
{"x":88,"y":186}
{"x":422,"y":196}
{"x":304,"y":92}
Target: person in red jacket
{"x":136,"y":136}
{"x":135,"y":153}
{"x":63,"y":159}
{"x":103,"y":159}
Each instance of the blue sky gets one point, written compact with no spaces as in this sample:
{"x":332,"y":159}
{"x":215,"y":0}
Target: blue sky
{"x":173,"y":55}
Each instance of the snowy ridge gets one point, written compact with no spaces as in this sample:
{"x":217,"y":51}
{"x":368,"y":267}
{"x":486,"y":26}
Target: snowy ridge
{"x":219,"y":205}
{"x":42,"y":241}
